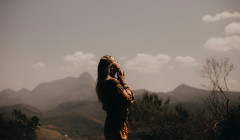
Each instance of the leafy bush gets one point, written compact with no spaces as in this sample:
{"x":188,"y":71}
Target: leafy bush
{"x":20,"y":128}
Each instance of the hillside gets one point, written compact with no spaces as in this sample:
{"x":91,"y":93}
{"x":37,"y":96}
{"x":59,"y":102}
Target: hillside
{"x":88,"y":108}
{"x":187,"y":95}
{"x":184,"y":93}
{"x":49,"y":134}
{"x":48,"y":95}
{"x":25,"y":108}
{"x":75,"y":125}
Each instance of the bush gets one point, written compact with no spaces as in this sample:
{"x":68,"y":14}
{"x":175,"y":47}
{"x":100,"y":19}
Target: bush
{"x":20,"y":128}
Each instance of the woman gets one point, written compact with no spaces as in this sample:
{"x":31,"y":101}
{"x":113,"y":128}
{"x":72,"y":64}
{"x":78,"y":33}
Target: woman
{"x":115,"y":96}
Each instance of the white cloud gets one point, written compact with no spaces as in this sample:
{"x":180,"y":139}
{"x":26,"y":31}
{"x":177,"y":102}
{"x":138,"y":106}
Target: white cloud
{"x":223,"y":44}
{"x":187,"y":61}
{"x":145,"y":63}
{"x":38,"y":65}
{"x":79,"y":60}
{"x":220,"y":16}
{"x":233,"y":28}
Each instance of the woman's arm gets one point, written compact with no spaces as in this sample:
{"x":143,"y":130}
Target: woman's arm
{"x":124,"y":91}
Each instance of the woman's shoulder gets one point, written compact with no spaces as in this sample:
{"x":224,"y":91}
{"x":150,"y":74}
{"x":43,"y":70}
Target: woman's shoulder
{"x":112,"y":80}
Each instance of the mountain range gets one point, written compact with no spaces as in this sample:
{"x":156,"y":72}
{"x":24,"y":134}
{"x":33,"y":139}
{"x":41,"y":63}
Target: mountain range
{"x":47,"y":96}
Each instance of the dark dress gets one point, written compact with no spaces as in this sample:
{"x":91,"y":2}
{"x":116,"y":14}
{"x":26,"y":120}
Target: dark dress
{"x":116,"y":102}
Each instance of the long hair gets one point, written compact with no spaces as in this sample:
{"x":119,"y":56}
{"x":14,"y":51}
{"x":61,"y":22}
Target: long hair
{"x":104,"y":66}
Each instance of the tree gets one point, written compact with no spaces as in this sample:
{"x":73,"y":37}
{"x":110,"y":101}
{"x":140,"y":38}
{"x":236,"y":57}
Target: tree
{"x":217,"y":71}
{"x":20,"y":128}
{"x":152,"y":118}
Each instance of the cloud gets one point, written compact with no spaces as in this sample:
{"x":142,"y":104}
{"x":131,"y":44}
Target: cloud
{"x":145,"y":63}
{"x":223,"y":43}
{"x":233,"y":28}
{"x":187,"y":61}
{"x":39,"y":65}
{"x":220,"y":16}
{"x":79,"y":60}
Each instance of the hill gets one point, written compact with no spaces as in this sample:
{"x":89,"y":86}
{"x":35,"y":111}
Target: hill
{"x":184,"y":93}
{"x":187,"y":95}
{"x":75,"y":125}
{"x":25,"y":108}
{"x":88,"y":108}
{"x":48,"y":134}
{"x":48,"y":95}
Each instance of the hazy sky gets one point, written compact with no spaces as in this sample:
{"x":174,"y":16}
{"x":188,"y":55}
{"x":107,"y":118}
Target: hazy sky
{"x":159,"y":43}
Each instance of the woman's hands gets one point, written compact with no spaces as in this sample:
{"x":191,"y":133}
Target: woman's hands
{"x":121,"y":77}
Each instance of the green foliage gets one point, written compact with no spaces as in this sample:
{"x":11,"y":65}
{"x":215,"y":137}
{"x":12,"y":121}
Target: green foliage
{"x":20,"y":128}
{"x":154,"y":119}
{"x":151,"y":118}
{"x":230,"y":127}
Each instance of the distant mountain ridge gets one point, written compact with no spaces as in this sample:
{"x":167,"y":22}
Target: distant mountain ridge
{"x":185,"y":94}
{"x":47,"y":96}
{"x":27,"y":109}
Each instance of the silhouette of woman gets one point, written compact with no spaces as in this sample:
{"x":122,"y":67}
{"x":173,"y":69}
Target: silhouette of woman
{"x":115,"y":96}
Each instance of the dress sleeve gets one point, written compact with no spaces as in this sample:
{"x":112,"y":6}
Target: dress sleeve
{"x":126,"y":95}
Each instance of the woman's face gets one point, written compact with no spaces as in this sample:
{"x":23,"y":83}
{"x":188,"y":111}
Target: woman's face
{"x":115,"y":64}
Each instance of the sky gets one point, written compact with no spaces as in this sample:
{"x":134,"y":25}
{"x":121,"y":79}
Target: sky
{"x":159,"y":44}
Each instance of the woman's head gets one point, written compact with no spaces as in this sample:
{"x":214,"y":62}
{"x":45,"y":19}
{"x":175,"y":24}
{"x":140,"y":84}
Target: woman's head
{"x":107,"y":64}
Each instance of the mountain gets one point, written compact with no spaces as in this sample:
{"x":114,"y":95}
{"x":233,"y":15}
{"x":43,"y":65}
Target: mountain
{"x":184,"y":93}
{"x":49,"y":134}
{"x":88,"y":108}
{"x":187,"y":95}
{"x":77,"y":119}
{"x":25,"y":108}
{"x":8,"y":97}
{"x":75,"y":125}
{"x":11,"y":97}
{"x":47,"y":95}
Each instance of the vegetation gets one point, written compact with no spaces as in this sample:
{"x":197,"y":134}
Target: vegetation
{"x":152,"y":118}
{"x":216,"y":71}
{"x":19,"y":128}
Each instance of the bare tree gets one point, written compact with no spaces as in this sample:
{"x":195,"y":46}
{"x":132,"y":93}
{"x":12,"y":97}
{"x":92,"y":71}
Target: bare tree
{"x":217,"y":71}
